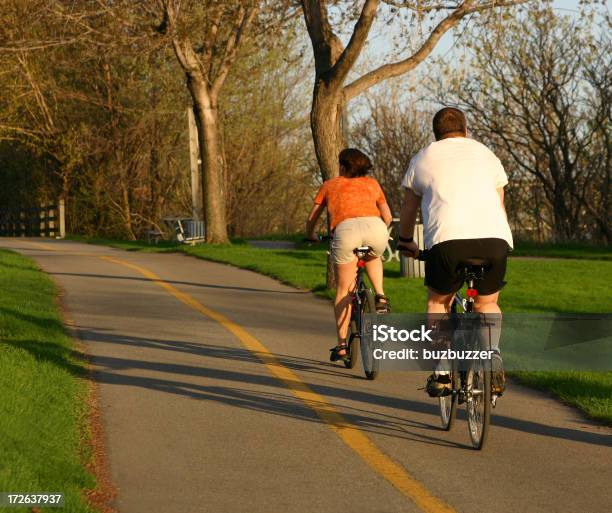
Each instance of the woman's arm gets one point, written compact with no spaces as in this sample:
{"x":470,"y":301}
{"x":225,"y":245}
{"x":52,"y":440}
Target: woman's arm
{"x":313,"y":217}
{"x":385,"y":213}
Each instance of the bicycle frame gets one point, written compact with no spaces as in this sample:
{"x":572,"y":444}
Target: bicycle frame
{"x":467,"y":303}
{"x":356,"y":294}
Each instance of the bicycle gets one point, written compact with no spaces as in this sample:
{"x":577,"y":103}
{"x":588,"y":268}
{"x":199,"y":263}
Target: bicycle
{"x":362,"y":303}
{"x":472,"y":386}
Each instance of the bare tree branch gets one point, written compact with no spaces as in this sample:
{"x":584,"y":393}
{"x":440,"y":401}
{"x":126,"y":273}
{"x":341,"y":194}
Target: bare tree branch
{"x":244,"y":18}
{"x":395,"y":69}
{"x":360,"y":34}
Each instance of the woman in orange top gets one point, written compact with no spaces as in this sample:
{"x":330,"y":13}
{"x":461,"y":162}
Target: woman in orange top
{"x":359,"y":216}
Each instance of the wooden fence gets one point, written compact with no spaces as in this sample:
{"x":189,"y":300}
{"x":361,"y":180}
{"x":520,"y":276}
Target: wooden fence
{"x":44,"y":221}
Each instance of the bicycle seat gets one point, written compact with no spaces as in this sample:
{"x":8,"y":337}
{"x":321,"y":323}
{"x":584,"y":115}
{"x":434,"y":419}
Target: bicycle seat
{"x":473,"y":262}
{"x":362,"y":251}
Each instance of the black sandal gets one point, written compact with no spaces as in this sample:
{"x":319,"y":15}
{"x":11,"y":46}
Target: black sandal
{"x":334,"y":356}
{"x":382,"y":304}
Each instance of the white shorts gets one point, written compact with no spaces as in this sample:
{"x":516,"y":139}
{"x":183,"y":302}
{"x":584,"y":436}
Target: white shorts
{"x":358,"y":231}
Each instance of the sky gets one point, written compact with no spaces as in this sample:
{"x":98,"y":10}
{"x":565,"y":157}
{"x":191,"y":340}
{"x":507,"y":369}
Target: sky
{"x":380,"y":43}
{"x":380,"y":50}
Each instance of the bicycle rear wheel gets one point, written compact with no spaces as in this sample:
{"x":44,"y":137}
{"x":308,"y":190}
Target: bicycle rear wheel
{"x":448,"y":405}
{"x":478,"y":402}
{"x":370,"y":364}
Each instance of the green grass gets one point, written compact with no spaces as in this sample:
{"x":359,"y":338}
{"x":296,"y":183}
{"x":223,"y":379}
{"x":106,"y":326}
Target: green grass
{"x":591,"y":392}
{"x":578,"y":251}
{"x":42,"y":391}
{"x":536,"y":285}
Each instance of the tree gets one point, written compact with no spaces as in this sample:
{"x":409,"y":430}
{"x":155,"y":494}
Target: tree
{"x":540,"y":95}
{"x":206,"y":38}
{"x":93,"y":108}
{"x":84,"y":105}
{"x":334,"y":61}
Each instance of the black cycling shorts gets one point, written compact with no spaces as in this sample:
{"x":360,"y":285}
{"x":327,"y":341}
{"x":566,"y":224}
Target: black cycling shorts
{"x":443,"y":264}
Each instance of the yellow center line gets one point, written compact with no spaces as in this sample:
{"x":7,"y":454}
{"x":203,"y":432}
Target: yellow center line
{"x":392,"y":471}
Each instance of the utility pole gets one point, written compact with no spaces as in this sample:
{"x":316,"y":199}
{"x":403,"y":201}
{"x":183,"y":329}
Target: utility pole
{"x":196,"y":175}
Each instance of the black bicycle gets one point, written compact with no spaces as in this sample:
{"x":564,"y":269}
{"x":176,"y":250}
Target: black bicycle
{"x":362,"y":303}
{"x":473,"y":385}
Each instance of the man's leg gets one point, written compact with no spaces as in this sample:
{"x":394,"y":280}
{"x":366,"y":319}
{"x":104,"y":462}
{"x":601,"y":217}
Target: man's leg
{"x":490,"y":333}
{"x":487,"y":304}
{"x":437,"y":306}
{"x":438,"y":303}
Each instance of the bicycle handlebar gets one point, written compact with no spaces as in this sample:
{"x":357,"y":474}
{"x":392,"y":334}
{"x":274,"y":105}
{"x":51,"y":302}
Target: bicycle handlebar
{"x":421,"y":255}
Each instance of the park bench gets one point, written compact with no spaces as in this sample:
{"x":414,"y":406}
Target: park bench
{"x":185,"y":230}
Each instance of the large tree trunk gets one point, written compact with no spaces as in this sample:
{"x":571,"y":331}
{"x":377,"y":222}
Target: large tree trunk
{"x":326,"y":125}
{"x":213,"y":173}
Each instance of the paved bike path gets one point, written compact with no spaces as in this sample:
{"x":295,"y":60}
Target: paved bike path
{"x":196,"y":422}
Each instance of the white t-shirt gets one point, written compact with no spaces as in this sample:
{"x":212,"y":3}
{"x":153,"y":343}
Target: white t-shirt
{"x":457,"y":179}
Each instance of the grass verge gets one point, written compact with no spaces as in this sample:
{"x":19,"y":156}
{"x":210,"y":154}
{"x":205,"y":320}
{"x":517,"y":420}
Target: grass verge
{"x":549,"y":250}
{"x":536,"y":285}
{"x":43,"y":414}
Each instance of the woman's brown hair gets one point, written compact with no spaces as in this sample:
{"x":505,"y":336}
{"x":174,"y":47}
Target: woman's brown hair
{"x":355,"y":162}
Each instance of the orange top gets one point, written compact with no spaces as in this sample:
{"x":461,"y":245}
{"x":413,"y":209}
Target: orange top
{"x":350,"y":197}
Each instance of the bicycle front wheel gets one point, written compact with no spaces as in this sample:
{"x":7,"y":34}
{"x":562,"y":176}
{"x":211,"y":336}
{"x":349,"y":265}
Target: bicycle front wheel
{"x":370,"y":364}
{"x":478,"y":402}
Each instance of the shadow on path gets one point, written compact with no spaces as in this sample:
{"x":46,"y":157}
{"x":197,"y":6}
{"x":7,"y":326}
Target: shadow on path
{"x":190,"y":381}
{"x":111,"y":368}
{"x":204,"y":285}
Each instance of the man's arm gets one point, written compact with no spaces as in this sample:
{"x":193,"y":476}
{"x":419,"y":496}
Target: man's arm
{"x":500,"y":191}
{"x":410,"y":205}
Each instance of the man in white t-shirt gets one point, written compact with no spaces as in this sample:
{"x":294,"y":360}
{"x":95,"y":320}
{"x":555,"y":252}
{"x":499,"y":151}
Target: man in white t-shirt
{"x":459,"y":184}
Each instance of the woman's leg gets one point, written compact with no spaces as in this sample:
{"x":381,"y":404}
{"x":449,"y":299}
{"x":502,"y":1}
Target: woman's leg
{"x":375,"y":234}
{"x":374,"y":268}
{"x":345,"y":281}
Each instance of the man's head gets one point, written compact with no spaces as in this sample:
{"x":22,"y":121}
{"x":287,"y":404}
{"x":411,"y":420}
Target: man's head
{"x":449,"y":122}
